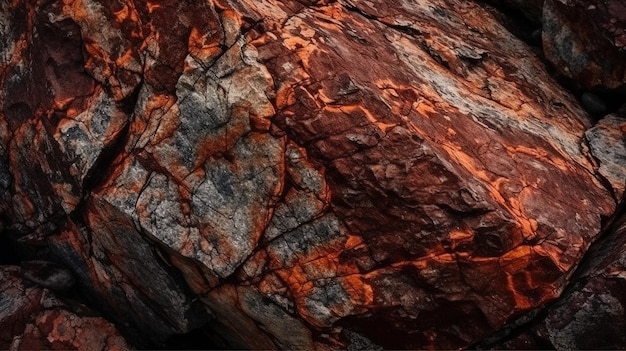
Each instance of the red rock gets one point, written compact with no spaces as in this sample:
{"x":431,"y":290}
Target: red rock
{"x":121,"y":271}
{"x":590,"y":314}
{"x":63,"y":330}
{"x":31,"y":318}
{"x":309,"y":172}
{"x":18,"y":302}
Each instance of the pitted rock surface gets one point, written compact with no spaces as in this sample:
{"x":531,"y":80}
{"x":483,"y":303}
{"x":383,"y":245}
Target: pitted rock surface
{"x":297,"y":174}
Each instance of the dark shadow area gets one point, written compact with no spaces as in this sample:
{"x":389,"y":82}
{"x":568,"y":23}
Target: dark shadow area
{"x":197,"y":339}
{"x":8,"y":255}
{"x":516,"y":22}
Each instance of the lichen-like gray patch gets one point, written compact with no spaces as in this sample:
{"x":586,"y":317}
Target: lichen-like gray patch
{"x":306,"y":238}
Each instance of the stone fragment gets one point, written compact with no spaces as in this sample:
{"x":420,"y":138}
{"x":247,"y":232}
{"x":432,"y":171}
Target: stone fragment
{"x":63,"y":330}
{"x":17,"y":302}
{"x":591,"y":312}
{"x":122,"y":273}
{"x":607,"y":144}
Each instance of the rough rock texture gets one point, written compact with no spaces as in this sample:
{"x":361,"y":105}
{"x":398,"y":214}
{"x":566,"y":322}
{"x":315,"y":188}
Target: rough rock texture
{"x":586,"y":41}
{"x":607,"y":142}
{"x":32,"y":318}
{"x":296,"y":174}
{"x":591,"y":313}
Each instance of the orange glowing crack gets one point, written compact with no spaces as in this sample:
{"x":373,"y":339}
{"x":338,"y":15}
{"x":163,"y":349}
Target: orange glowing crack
{"x":555,"y":254}
{"x":303,"y":48}
{"x":126,"y":59}
{"x":521,"y":302}
{"x":151,"y":6}
{"x":529,"y":225}
{"x":353,"y":241}
{"x":516,"y":260}
{"x":538,"y":153}
{"x":348,"y":110}
{"x":196,"y":38}
{"x":122,"y":14}
{"x":360,"y":292}
{"x":424,"y":108}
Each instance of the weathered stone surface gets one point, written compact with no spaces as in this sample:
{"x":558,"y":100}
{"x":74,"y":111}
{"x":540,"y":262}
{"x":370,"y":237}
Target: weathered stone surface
{"x":586,"y":41}
{"x":48,"y":275}
{"x":607,"y":143}
{"x":63,"y":330}
{"x":297,"y":175}
{"x":591,"y":313}
{"x":17,"y":302}
{"x":123,"y":274}
{"x":31,"y":318}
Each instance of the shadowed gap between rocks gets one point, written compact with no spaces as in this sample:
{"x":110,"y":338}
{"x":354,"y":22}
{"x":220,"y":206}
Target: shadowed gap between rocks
{"x":598,"y":101}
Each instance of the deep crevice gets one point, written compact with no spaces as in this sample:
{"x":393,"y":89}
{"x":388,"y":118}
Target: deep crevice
{"x":101,"y":168}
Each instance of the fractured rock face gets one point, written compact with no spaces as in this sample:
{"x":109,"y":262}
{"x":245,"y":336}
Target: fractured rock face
{"x":124,"y":274}
{"x":590,"y":315}
{"x":63,"y":330}
{"x":32,"y":318}
{"x":296,"y":175}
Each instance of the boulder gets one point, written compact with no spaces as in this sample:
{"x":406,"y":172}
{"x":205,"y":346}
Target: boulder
{"x":295,"y":174}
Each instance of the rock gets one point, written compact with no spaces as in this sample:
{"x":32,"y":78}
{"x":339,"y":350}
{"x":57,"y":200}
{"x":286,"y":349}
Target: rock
{"x":48,"y":275}
{"x":63,"y":330}
{"x":17,"y":302}
{"x":607,"y":144}
{"x":123,"y":274}
{"x":292,"y":174}
{"x":585,"y":40}
{"x":591,"y":314}
{"x":31,"y":318}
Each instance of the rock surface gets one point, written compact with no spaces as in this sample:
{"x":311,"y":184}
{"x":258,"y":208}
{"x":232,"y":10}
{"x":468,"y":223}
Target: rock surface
{"x":297,"y":174}
{"x":32,"y":318}
{"x":607,"y":142}
{"x":590,"y":314}
{"x":586,"y":41}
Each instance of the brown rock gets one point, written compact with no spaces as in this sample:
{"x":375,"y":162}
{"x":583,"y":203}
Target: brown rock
{"x":122,"y":273}
{"x":305,"y":172}
{"x":586,"y":41}
{"x":63,"y":330}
